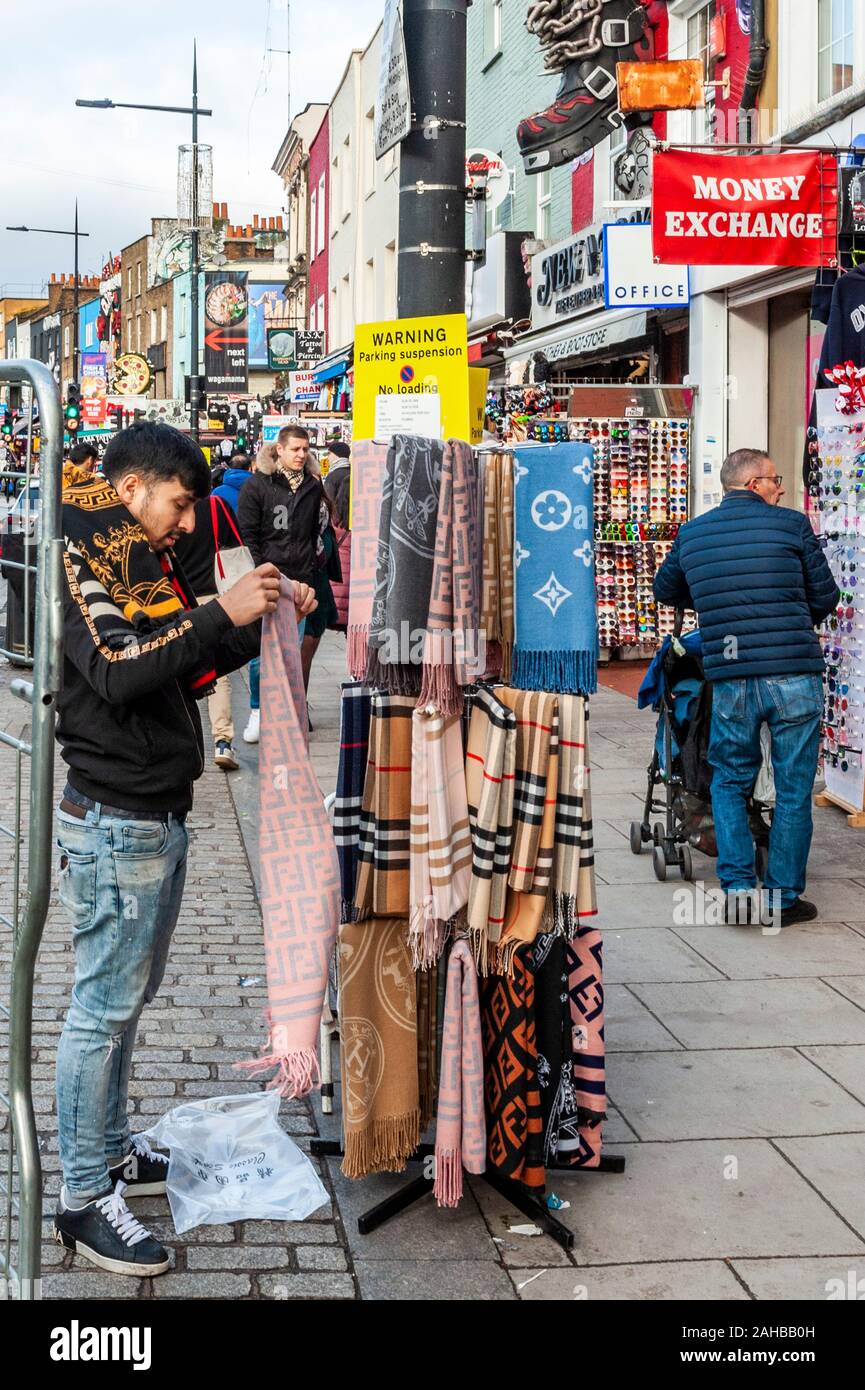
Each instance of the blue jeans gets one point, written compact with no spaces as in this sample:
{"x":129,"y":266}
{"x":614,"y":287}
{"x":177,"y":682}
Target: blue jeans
{"x":254,"y":682}
{"x":792,"y":707}
{"x":121,"y":882}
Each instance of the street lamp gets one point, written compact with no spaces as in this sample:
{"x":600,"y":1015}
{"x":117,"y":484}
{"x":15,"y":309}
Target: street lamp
{"x":104,"y":104}
{"x":53,"y":231}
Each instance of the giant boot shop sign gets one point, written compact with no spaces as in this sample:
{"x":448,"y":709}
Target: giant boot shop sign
{"x":776,"y":209}
{"x":226,"y":331}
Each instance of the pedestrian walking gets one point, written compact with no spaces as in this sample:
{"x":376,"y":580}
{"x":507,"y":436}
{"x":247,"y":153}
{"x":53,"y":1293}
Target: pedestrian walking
{"x":759,"y":581}
{"x":139,"y":653}
{"x":283,"y":519}
{"x":337,"y":485}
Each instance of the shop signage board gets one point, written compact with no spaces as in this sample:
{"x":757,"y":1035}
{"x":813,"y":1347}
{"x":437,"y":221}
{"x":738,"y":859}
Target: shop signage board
{"x":94,"y":386}
{"x":568,"y":278}
{"x":632,"y":279}
{"x":401,"y":360}
{"x":281,"y":349}
{"x":718,"y":209}
{"x":302,"y":387}
{"x":596,"y":336}
{"x":488,"y":168}
{"x":392,"y":121}
{"x":272,"y":424}
{"x":310,"y":344}
{"x":226,"y":331}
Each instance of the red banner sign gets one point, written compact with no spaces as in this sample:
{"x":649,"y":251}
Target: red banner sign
{"x":718,"y":209}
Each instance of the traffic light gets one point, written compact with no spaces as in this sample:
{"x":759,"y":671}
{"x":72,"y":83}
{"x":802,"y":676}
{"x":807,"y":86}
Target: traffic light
{"x":6,"y":427}
{"x":241,"y":441}
{"x":73,"y":407}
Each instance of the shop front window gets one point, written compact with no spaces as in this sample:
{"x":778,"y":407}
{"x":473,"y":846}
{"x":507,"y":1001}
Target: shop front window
{"x":700,"y":46}
{"x":834,"y":47}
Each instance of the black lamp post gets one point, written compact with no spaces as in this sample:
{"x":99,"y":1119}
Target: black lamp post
{"x":53,"y":231}
{"x":194,"y":111}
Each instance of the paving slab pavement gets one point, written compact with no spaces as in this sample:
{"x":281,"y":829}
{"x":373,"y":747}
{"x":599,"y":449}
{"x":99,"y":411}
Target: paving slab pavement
{"x":741,"y":1178}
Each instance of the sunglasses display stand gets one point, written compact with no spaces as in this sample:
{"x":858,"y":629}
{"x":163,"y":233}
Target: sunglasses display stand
{"x":642,"y":482}
{"x":840,"y":521}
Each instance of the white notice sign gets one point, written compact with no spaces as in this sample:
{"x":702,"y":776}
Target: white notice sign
{"x":420,"y":414}
{"x":632,"y":279}
{"x":393,"y":103}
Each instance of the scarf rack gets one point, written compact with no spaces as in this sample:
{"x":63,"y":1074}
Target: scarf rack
{"x":533,"y":1207}
{"x":526,"y":1196}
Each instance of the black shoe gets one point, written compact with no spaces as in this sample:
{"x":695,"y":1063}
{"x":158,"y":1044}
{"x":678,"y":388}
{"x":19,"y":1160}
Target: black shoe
{"x":143,"y":1171}
{"x":799,"y":911}
{"x":107,"y":1234}
{"x":224,"y":756}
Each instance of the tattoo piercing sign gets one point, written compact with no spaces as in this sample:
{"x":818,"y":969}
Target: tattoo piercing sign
{"x":774,"y":209}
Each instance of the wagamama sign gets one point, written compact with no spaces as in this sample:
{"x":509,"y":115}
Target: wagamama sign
{"x":745,"y":209}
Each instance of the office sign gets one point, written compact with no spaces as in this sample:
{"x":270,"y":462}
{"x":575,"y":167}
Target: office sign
{"x":226,"y":331}
{"x":631,"y":277}
{"x":392,"y":121}
{"x":719,"y":209}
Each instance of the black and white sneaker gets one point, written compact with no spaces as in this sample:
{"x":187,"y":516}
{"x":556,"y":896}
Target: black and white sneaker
{"x":224,"y":756}
{"x":143,"y":1171}
{"x":107,"y":1234}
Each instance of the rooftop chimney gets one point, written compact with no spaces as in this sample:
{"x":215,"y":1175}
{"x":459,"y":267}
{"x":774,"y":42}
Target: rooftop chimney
{"x":255,"y":220}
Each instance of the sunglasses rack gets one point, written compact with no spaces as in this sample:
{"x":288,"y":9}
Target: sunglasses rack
{"x":640,"y":499}
{"x":836,"y":450}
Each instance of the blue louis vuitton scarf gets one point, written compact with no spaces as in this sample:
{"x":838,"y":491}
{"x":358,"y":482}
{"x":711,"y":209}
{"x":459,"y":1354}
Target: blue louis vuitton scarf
{"x":556,"y":645}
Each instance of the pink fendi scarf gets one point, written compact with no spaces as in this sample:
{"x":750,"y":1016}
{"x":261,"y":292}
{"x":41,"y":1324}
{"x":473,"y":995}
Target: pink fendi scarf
{"x":300,"y":887}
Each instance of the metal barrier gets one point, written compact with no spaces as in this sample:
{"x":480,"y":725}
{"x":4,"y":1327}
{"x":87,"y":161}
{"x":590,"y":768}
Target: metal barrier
{"x":38,"y":564}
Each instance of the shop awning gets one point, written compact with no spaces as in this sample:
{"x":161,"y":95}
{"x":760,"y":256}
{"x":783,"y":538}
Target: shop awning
{"x":335,"y":364}
{"x":579,"y":337}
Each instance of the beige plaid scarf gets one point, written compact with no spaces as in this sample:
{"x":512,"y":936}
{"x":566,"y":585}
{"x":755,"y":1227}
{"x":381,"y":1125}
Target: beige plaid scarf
{"x":574,"y":873}
{"x":491,"y":754}
{"x":440,"y":854}
{"x":382,"y":882}
{"x":533,"y":843}
{"x":378,"y":1048}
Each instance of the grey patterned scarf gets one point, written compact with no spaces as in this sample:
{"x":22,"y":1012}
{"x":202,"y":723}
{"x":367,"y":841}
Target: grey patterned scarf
{"x":404,"y":566}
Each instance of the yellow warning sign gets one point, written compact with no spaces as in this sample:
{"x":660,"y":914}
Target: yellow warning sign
{"x":412,"y":375}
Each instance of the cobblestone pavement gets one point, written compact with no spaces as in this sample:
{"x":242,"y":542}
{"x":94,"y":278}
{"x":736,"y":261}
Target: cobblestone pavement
{"x":735,"y":1075}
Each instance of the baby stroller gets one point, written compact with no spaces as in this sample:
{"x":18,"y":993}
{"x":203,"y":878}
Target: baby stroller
{"x":675,"y":687}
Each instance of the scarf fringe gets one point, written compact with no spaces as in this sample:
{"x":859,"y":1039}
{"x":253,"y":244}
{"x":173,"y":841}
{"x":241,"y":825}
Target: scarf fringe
{"x":562,"y":672}
{"x":391,"y":677}
{"x":297,"y":1071}
{"x":427,"y":936}
{"x":448,"y":1185}
{"x":439,"y":688}
{"x":358,"y":651}
{"x":385,"y":1146}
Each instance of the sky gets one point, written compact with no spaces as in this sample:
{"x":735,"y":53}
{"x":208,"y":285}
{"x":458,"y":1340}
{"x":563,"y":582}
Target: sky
{"x":122,"y":165}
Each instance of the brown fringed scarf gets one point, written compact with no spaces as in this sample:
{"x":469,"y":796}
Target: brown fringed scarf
{"x":497,"y":585}
{"x":382,"y":879}
{"x":378,"y":1048}
{"x":574,"y":874}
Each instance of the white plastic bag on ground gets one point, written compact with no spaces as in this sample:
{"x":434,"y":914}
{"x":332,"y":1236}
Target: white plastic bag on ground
{"x":231,"y":1160}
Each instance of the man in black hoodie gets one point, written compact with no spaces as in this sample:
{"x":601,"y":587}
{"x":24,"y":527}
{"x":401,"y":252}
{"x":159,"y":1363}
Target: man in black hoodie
{"x":139,"y":653}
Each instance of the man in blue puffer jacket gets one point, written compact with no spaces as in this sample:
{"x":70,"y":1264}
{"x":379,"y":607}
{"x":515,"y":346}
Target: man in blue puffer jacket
{"x":759,"y":582}
{"x":236,"y":474}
